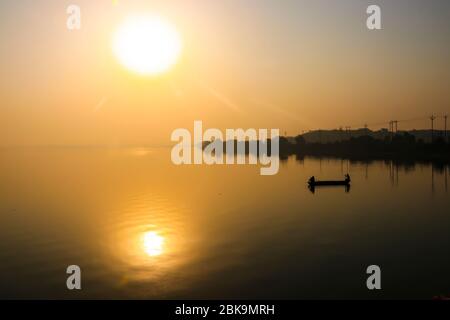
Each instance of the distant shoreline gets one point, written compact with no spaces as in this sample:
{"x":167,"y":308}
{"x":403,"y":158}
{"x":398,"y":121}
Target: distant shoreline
{"x":402,"y":147}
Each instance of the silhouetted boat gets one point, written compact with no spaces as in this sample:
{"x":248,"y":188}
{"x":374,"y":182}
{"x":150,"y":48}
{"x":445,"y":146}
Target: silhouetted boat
{"x":312,"y":182}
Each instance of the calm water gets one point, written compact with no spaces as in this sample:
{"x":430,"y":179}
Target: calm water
{"x":140,"y":227}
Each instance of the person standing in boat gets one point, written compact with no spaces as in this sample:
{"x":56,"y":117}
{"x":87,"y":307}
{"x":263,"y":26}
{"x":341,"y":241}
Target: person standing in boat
{"x":347,"y":178}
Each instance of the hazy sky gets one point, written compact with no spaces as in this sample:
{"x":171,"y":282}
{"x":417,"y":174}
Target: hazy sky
{"x":293,"y":65}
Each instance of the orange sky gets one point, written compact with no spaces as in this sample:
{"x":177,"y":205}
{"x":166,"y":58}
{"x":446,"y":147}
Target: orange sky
{"x":295,"y":66}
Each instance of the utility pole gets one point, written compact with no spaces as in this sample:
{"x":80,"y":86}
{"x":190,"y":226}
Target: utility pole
{"x":349,"y":132}
{"x":391,"y":128}
{"x":432,"y":118}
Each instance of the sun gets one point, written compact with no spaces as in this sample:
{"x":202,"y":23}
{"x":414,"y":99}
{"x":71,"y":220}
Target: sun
{"x":146,"y":44}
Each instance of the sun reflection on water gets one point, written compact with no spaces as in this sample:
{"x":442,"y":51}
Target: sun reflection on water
{"x":153,"y":243}
{"x":150,"y":243}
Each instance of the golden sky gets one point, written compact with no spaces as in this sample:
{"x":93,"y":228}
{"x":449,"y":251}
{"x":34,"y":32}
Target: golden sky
{"x":293,"y":65}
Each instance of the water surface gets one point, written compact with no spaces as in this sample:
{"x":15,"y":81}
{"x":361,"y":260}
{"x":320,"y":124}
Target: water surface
{"x":141,"y":227}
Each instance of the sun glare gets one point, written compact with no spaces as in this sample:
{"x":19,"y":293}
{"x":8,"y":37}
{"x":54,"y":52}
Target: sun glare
{"x":153,"y":243}
{"x":147,"y":45}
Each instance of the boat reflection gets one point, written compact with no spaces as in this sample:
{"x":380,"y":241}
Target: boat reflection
{"x":312,"y":188}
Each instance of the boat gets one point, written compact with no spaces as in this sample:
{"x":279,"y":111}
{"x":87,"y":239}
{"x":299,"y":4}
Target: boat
{"x":315,"y":183}
{"x":329,"y":183}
